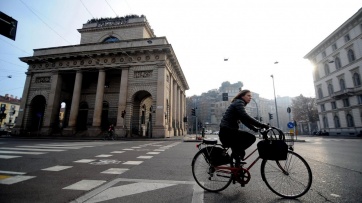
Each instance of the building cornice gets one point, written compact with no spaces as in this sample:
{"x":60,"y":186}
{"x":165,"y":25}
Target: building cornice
{"x":340,"y":31}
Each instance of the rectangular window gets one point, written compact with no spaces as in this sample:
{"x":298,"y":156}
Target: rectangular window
{"x":334,"y":46}
{"x":347,"y":38}
{"x":333,"y":104}
{"x":324,"y":54}
{"x":359,"y":97}
{"x":345,"y":102}
{"x":323,"y":108}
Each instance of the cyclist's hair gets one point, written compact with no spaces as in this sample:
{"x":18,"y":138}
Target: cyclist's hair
{"x":241,"y":94}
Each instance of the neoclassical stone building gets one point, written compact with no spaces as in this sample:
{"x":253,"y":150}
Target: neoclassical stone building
{"x":120,"y":73}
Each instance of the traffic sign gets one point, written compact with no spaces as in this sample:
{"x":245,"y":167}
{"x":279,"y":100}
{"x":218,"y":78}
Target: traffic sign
{"x":290,"y":125}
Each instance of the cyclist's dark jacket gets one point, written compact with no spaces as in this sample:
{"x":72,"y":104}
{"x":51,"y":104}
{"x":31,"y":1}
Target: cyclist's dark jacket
{"x":236,"y":112}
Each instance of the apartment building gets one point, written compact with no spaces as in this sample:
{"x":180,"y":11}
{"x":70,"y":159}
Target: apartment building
{"x":337,"y":72}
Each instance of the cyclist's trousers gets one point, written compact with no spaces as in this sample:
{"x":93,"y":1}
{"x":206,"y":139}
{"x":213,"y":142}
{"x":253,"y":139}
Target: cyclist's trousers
{"x":237,"y":140}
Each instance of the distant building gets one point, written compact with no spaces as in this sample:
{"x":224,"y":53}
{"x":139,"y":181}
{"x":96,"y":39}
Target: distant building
{"x":337,"y":78}
{"x":9,"y":111}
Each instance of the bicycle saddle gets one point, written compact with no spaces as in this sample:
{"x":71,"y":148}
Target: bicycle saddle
{"x":209,"y":141}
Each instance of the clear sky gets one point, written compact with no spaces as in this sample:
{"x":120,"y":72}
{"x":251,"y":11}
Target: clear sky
{"x":251,"y":34}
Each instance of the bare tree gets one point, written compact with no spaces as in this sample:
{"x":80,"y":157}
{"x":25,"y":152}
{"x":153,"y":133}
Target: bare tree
{"x":304,"y":109}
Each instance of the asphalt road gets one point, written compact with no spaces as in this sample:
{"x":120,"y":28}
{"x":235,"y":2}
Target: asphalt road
{"x":158,"y":171}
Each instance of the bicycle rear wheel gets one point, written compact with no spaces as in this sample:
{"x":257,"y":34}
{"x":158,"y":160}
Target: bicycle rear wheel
{"x":207,"y":176}
{"x":290,"y":178}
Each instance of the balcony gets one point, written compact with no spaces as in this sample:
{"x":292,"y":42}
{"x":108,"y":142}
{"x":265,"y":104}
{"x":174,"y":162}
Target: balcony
{"x":343,"y":93}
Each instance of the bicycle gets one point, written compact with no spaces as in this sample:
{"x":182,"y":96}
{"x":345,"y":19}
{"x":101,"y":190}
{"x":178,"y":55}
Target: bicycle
{"x":110,"y":136}
{"x":289,"y":178}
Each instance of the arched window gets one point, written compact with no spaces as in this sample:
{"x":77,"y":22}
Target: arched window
{"x":326,"y":69}
{"x":336,"y":122}
{"x":337,"y":63}
{"x":111,"y":39}
{"x":356,"y":80}
{"x":325,"y":122}
{"x":350,"y":122}
{"x":320,"y":93}
{"x":351,"y":57}
{"x":342,"y":84}
{"x":330,"y":89}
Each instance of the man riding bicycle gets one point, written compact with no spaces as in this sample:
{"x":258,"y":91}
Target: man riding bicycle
{"x":230,"y":135}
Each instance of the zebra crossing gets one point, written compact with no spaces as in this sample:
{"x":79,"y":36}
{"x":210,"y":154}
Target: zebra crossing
{"x":39,"y":149}
{"x":319,"y":140}
{"x":13,"y":177}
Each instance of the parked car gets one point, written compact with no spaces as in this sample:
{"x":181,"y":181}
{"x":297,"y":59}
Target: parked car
{"x":215,"y":133}
{"x":321,"y":133}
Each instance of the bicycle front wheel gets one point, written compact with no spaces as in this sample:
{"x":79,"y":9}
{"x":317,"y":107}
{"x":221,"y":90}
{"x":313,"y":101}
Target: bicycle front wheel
{"x":290,"y":178}
{"x":207,"y":176}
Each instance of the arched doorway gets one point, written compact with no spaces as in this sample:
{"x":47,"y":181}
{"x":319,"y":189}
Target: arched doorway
{"x":82,"y":116}
{"x":140,"y":117}
{"x":37,"y":108}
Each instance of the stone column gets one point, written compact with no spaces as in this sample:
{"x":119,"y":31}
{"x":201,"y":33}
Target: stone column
{"x":159,"y":130}
{"x":74,"y":109}
{"x":98,"y":106}
{"x":178,"y":109}
{"x":20,"y":120}
{"x":182,"y":114}
{"x":53,"y":104}
{"x":174,"y":109}
{"x":122,"y":104}
{"x":171,"y":100}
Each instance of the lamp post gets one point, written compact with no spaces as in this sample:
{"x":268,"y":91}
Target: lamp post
{"x":257,"y":109}
{"x":275,"y":99}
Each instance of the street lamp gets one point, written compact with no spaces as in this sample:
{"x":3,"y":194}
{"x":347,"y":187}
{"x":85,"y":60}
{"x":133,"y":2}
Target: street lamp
{"x":275,"y":99}
{"x":257,"y":109}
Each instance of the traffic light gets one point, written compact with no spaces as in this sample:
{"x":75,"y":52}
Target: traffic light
{"x":225,"y":97}
{"x":123,"y":114}
{"x":8,"y":26}
{"x":193,"y":112}
{"x":270,"y":116}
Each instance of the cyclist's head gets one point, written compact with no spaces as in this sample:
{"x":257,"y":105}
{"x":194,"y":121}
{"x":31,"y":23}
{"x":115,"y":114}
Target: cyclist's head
{"x":244,"y":95}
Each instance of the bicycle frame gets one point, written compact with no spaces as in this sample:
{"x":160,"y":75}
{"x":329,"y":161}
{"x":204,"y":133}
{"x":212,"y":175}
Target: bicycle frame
{"x":235,"y":170}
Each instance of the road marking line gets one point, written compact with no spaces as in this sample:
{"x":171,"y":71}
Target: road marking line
{"x":115,"y":170}
{"x":85,"y":185}
{"x":4,"y":177}
{"x":8,"y":157}
{"x":159,"y":150}
{"x":30,"y":149}
{"x":44,"y":147}
{"x":16,"y":152}
{"x":144,"y":157}
{"x":15,"y":179}
{"x":153,"y":152}
{"x":104,"y":187}
{"x":104,"y":155}
{"x":128,"y":149}
{"x":335,"y":195}
{"x":198,"y":194}
{"x":133,"y":162}
{"x":117,"y":152}
{"x":135,"y":147}
{"x":12,"y":172}
{"x":57,"y":168}
{"x":126,"y":190}
{"x":85,"y":160}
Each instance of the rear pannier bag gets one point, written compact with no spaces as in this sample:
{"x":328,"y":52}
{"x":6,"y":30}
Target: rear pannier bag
{"x":216,"y":156}
{"x":273,"y":149}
